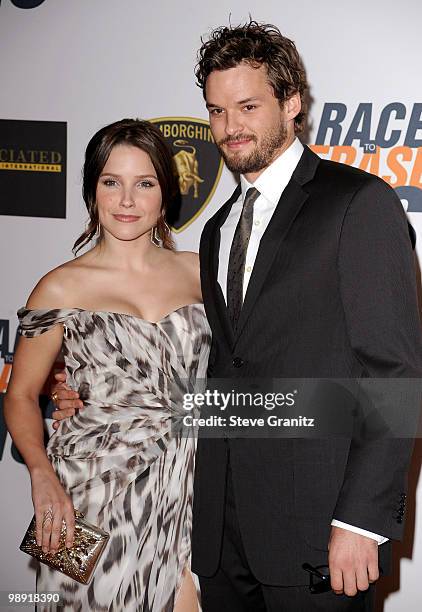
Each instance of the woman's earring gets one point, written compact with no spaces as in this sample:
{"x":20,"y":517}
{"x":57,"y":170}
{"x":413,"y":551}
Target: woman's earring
{"x":155,"y":237}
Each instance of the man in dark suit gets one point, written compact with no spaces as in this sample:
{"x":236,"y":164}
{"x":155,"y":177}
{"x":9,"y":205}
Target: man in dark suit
{"x":307,"y":272}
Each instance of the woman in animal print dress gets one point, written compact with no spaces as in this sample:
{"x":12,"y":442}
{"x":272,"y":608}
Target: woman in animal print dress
{"x":129,"y":317}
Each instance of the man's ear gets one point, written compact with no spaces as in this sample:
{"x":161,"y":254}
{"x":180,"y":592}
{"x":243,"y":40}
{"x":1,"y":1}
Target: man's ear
{"x":292,"y":106}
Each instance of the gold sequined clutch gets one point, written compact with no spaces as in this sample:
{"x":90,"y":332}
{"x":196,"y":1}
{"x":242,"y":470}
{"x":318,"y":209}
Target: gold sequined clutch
{"x":77,"y":562}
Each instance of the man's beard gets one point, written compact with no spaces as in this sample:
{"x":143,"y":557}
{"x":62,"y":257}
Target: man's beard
{"x":262,"y":155}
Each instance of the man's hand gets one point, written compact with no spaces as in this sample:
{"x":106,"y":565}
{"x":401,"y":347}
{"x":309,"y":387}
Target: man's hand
{"x":353,"y":561}
{"x":66,"y":400}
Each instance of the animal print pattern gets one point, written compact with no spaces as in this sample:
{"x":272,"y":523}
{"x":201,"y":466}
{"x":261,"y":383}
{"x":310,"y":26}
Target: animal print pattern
{"x":121,"y":458}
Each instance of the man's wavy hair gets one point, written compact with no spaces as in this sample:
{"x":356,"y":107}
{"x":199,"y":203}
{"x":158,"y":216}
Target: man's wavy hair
{"x":256,"y":44}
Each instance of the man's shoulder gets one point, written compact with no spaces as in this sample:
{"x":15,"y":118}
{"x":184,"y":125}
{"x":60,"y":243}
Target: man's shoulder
{"x":346,"y":188}
{"x":337,"y":177}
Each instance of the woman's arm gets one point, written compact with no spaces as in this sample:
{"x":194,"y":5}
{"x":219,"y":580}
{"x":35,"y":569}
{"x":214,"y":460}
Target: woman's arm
{"x":33,"y":360}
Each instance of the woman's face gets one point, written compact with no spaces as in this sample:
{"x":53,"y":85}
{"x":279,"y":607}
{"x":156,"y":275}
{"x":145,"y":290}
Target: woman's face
{"x":128,"y":194}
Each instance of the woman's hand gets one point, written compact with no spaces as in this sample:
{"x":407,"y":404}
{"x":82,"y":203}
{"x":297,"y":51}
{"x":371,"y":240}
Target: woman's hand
{"x":51,"y":505}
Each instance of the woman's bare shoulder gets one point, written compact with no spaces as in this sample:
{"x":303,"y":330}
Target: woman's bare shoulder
{"x":57,"y":288}
{"x":188,"y":258}
{"x":188,"y":269}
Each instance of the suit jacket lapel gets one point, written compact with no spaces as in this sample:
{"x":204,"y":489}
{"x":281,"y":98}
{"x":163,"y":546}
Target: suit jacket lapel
{"x":288,"y":207}
{"x":210,"y":247}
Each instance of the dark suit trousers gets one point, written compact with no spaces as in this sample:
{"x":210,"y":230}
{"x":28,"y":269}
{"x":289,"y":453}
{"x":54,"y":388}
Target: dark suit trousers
{"x":234,"y":588}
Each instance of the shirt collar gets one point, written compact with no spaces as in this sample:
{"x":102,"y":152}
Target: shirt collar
{"x":272,"y":182}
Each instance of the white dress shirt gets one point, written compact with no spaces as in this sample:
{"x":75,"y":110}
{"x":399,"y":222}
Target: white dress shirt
{"x":270,"y":184}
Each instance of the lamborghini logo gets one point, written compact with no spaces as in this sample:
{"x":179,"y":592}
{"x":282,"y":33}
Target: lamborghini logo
{"x":197,"y":162}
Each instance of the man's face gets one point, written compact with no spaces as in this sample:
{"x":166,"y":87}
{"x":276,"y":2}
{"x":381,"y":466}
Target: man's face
{"x":249,"y":125}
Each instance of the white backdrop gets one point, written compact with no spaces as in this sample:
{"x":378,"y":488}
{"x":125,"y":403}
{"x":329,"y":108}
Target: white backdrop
{"x":91,"y":63}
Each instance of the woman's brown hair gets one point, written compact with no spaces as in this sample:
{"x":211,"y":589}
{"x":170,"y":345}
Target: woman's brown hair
{"x":256,"y":44}
{"x":144,"y":136}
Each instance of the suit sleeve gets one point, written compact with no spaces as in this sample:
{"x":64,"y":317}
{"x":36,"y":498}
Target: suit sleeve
{"x":377,"y":277}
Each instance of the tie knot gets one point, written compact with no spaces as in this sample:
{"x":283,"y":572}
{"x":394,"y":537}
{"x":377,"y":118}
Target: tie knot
{"x":251,"y":196}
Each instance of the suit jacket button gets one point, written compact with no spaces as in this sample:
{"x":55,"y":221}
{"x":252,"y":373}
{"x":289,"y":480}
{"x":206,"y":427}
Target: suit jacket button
{"x":399,"y":519}
{"x":237,"y":362}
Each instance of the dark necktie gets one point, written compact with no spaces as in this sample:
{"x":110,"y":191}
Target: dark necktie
{"x":237,"y":258}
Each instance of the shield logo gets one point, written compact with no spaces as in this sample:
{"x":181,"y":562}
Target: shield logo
{"x":197,"y":162}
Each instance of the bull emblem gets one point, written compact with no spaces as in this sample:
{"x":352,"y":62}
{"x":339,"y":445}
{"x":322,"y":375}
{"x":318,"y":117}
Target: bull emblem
{"x":187,"y":168}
